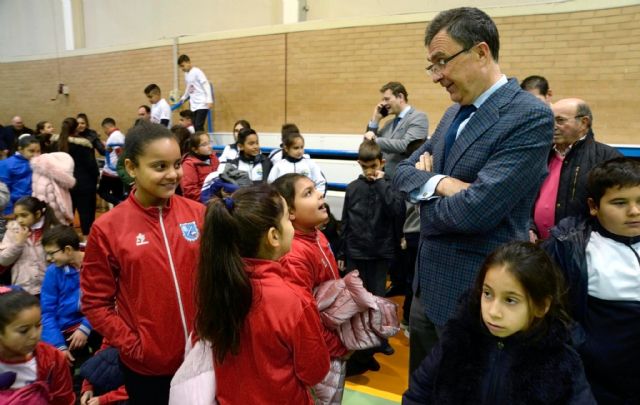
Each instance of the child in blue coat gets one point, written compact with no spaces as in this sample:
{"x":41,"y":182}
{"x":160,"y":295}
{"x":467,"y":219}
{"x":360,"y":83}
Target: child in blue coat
{"x":63,"y":324}
{"x":15,"y":171}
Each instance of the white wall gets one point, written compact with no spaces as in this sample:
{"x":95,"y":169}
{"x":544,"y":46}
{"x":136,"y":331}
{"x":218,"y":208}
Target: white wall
{"x":30,"y":27}
{"x":118,"y":22}
{"x":35,"y":27}
{"x":333,"y":9}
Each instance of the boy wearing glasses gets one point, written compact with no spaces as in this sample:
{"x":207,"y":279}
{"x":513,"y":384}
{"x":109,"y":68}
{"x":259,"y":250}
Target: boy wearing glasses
{"x":63,"y":325}
{"x":575,"y":151}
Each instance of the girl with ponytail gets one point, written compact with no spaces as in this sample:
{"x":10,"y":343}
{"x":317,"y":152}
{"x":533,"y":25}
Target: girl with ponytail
{"x":265,"y":333}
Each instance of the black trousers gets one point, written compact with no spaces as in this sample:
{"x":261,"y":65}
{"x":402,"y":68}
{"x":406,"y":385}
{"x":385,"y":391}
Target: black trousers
{"x":85,"y":202}
{"x":199,"y":118}
{"x":111,"y":189}
{"x":372,"y":272}
{"x":146,"y":389}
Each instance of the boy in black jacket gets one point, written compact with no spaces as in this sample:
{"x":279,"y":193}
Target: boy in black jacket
{"x":600,"y":258}
{"x":370,"y":210}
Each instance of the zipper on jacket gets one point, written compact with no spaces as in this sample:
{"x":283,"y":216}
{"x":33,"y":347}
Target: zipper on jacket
{"x":493,"y":374}
{"x":333,"y":271}
{"x":575,"y":181}
{"x":175,"y":281}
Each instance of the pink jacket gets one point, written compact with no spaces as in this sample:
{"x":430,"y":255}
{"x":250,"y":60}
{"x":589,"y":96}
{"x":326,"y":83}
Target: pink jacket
{"x":52,"y":179}
{"x":361,"y":319}
{"x":27,"y":259}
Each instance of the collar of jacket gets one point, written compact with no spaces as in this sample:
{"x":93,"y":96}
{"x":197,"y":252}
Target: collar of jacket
{"x":150,"y":211}
{"x":625,"y":240}
{"x":308,"y":236}
{"x":255,"y":160}
{"x":257,"y":268}
{"x":292,"y":159}
{"x":589,"y":137}
{"x":81,"y":141}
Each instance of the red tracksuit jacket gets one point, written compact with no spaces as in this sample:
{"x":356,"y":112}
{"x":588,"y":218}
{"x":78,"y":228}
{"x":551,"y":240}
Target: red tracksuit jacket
{"x":282,"y":352}
{"x":309,"y":263}
{"x":137,"y":281}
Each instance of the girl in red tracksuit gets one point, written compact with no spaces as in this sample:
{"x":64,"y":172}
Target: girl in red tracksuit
{"x":31,"y":372}
{"x":265,"y":333}
{"x":310,"y":261}
{"x":197,"y":164}
{"x":139,"y":265}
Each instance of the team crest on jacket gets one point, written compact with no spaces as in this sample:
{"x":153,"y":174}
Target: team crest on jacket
{"x":190,"y":231}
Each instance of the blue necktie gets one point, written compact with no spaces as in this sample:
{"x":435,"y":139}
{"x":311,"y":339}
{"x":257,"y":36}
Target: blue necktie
{"x":395,"y":123}
{"x":450,"y":137}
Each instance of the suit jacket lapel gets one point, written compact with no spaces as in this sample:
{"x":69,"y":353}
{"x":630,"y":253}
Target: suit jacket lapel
{"x":402,"y":123}
{"x":486,"y":116}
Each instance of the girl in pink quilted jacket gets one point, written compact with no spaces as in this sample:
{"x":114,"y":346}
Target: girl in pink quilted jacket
{"x":21,"y":248}
{"x":51,"y":181}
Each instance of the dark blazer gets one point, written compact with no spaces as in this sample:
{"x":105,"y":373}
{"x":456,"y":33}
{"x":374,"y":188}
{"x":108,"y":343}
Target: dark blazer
{"x":394,"y":142}
{"x":502,"y":152}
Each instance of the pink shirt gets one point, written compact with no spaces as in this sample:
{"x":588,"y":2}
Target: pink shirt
{"x":544,"y":214}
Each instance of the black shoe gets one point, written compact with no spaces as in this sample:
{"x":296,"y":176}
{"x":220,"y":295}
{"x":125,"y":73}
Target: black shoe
{"x":373,"y":364}
{"x":385,"y":348}
{"x":356,"y":368}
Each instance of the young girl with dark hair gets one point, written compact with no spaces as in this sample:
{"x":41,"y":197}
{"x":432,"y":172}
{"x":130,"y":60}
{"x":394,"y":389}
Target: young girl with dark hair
{"x":139,"y":267}
{"x":44,"y":132}
{"x":230,"y":151}
{"x":310,"y":261}
{"x":31,"y":372}
{"x":21,"y":247}
{"x":265,"y":333}
{"x":81,"y":144}
{"x":197,"y":164}
{"x":16,"y":172}
{"x":509,"y":343}
{"x":295,"y":161}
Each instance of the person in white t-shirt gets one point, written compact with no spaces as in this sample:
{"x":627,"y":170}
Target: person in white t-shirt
{"x":111,"y":188}
{"x":160,"y":109}
{"x":197,"y":90}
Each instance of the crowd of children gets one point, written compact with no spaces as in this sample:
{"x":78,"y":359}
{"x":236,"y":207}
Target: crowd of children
{"x":230,"y":251}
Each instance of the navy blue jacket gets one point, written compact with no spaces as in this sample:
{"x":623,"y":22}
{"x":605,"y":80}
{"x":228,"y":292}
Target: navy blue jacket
{"x":608,"y":336}
{"x":471,"y":366}
{"x":16,"y":173}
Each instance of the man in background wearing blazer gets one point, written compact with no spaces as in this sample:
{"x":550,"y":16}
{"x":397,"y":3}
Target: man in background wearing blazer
{"x":477,"y":177}
{"x":408,"y":125}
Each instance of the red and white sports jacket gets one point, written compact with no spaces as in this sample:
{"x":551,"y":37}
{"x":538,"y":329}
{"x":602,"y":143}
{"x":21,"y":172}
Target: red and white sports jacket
{"x":137,"y":281}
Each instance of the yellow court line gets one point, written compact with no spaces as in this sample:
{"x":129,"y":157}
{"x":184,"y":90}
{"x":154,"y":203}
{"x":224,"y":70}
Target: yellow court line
{"x":375,"y":392}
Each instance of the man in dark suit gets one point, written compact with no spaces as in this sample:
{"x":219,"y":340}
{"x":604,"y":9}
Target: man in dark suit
{"x":408,"y":125}
{"x":477,"y":177}
{"x":9,"y":135}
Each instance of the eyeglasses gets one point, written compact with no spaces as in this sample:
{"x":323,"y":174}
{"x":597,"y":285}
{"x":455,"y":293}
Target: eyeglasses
{"x":50,"y":254}
{"x":442,"y":63}
{"x":563,"y":120}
